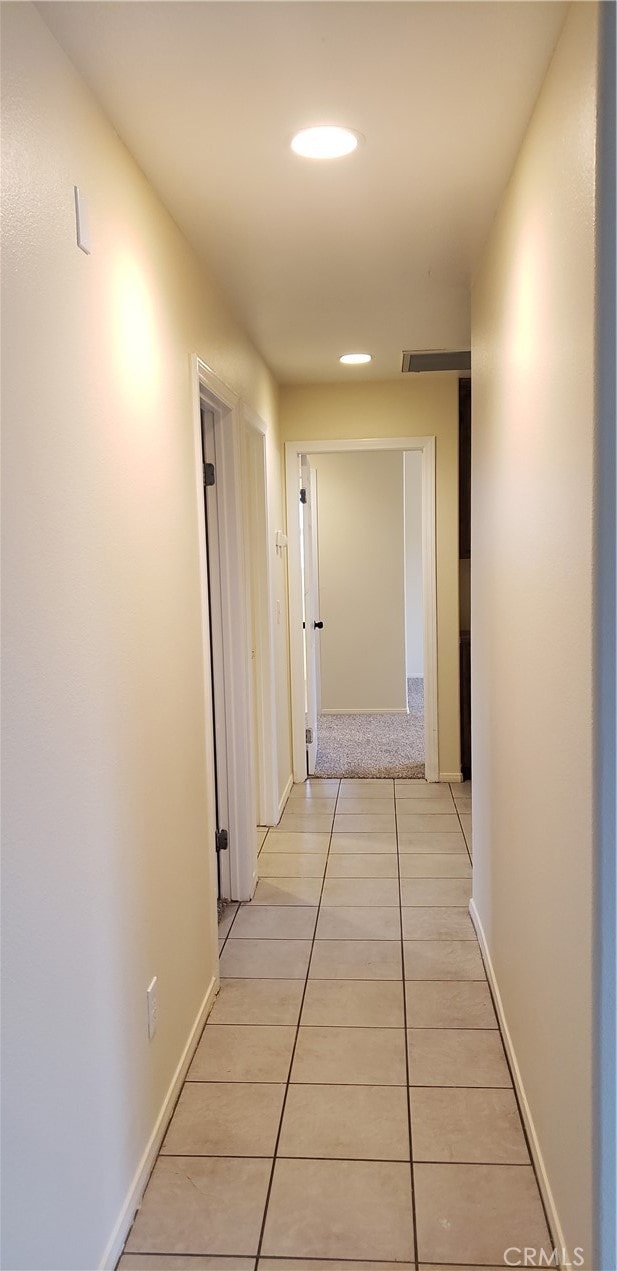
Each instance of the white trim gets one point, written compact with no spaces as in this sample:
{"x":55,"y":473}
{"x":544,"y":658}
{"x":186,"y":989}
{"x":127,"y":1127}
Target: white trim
{"x":293,"y":449}
{"x":140,"y":1178}
{"x":452,"y":777}
{"x":258,"y":551}
{"x":364,"y":710}
{"x":534,"y":1142}
{"x":284,"y":797}
{"x":239,"y":863}
{"x":196,"y":370}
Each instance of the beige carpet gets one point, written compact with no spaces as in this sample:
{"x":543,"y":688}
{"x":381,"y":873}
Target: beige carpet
{"x":374,"y":745}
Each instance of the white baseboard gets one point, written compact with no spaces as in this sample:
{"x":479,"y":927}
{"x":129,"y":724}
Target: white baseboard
{"x":534,"y":1144}
{"x":120,"y":1232}
{"x":284,"y":797}
{"x":365,"y":710}
{"x":454,"y":777}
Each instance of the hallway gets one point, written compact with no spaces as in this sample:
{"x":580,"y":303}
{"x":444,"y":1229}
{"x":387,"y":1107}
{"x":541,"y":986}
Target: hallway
{"x":321,"y":1062}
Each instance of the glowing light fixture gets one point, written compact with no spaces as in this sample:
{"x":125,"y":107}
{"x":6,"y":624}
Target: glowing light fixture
{"x":355,"y":359}
{"x":327,"y":141}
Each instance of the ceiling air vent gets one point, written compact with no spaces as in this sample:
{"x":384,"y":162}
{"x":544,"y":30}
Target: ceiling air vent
{"x":437,"y":361}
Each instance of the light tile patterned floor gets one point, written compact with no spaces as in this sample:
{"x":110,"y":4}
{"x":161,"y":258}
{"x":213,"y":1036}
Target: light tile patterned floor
{"x":342,"y":1111}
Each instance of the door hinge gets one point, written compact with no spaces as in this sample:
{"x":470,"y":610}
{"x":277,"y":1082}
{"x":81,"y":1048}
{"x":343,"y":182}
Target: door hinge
{"x":309,"y":736}
{"x":303,"y":496}
{"x":209,"y":474}
{"x":222,"y":840}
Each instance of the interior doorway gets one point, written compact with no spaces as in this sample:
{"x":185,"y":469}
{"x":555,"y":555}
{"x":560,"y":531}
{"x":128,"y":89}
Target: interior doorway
{"x":234,"y":540}
{"x":362,"y":608}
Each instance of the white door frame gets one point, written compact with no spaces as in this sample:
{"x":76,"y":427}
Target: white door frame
{"x":293,"y":450}
{"x":239,"y":863}
{"x":258,"y":537}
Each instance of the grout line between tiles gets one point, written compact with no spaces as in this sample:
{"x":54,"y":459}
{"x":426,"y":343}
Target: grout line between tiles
{"x":293,"y":1052}
{"x":368,"y":1160}
{"x":458,"y":817}
{"x":405,"y":1023}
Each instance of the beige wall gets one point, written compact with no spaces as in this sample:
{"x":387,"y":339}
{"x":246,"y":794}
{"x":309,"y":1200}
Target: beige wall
{"x":414,"y":617}
{"x":532,"y":578}
{"x":425,"y":405}
{"x":105,"y":878}
{"x":361,"y":581}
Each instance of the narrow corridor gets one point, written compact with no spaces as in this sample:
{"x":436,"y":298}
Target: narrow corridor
{"x":337,"y":1109}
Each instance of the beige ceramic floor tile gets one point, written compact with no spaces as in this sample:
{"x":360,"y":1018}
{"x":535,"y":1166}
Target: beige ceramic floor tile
{"x":361,"y":891}
{"x":472,"y":1213}
{"x":331,"y":1264}
{"x":177,"y":1262}
{"x":340,"y":1209}
{"x":356,"y":960}
{"x":275,"y":922}
{"x":364,"y":865}
{"x":366,"y":807}
{"x":320,"y":804}
{"x":441,"y":805}
{"x":450,"y":1005}
{"x":258,"y":1002}
{"x":481,"y":1126}
{"x":356,"y":843}
{"x":194,"y":1205}
{"x":436,"y":891}
{"x":357,"y":923}
{"x":432,"y":923}
{"x":262,"y":830}
{"x":466,"y":824}
{"x":435,"y":865}
{"x":429,"y":822}
{"x":218,"y":1119}
{"x":424,"y":1266}
{"x":353,"y":1003}
{"x":292,"y":864}
{"x":366,"y":788}
{"x":315,"y":787}
{"x":313,"y":822}
{"x":313,"y":819}
{"x":457,"y":1057}
{"x":227,"y":918}
{"x":265,"y":959}
{"x":350,"y":1056}
{"x":421,"y":841}
{"x":287,"y":891}
{"x":243,"y":1052}
{"x":360,"y":823}
{"x":294,"y":841}
{"x":440,"y":960}
{"x":348,"y":1122}
{"x":422,"y":790}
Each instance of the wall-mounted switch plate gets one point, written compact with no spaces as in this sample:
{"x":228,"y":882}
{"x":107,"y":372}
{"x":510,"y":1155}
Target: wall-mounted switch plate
{"x":82,"y":222}
{"x":152,"y":994}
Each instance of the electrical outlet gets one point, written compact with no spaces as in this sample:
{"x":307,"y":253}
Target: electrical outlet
{"x":152,"y":995}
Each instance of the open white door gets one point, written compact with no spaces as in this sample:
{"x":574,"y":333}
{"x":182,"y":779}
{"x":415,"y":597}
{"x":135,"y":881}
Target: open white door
{"x":310,"y":616}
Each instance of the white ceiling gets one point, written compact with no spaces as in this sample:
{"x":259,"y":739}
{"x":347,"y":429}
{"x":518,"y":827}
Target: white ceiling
{"x":373,"y":251}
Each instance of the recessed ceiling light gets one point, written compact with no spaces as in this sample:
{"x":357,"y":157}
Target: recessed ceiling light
{"x":355,"y":359}
{"x":328,"y":141}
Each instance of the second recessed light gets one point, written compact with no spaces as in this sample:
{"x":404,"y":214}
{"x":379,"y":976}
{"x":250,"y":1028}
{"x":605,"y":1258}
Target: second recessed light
{"x":355,"y":359}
